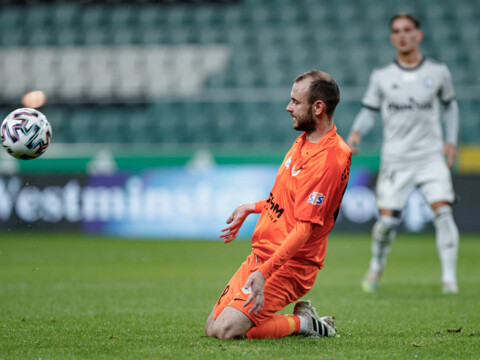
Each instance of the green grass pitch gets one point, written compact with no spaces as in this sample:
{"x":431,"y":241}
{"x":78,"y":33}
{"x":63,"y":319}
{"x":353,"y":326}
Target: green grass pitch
{"x":70,"y":296}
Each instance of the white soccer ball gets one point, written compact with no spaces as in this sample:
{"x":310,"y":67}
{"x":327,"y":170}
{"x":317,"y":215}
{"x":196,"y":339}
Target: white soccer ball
{"x":26,"y":133}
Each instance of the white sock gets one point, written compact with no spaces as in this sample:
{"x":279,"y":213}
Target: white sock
{"x":447,"y":239}
{"x":383,"y":235}
{"x":304,"y":327}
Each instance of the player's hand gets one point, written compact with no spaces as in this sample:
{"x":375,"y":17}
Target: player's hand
{"x":354,"y":139}
{"x":256,"y":284}
{"x":236,"y":220}
{"x":450,"y":151}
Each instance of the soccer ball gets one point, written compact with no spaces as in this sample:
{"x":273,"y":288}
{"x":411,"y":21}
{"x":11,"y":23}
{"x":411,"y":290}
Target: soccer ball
{"x":26,"y":133}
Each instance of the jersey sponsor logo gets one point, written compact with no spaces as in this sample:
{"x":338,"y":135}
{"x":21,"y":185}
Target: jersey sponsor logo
{"x":316,"y":198}
{"x":274,"y":207}
{"x":411,"y":105}
{"x":408,"y":77}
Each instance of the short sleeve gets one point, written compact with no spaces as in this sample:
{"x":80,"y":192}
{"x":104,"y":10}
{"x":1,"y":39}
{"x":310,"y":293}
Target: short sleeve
{"x":373,"y":98}
{"x":447,"y":93}
{"x":313,"y":199}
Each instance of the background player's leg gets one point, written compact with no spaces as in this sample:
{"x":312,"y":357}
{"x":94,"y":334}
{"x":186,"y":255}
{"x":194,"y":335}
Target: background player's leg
{"x":447,"y":239}
{"x":436,"y":186}
{"x":383,"y":235}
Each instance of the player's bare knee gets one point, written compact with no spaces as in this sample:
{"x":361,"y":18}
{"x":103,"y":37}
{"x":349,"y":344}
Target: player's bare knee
{"x":229,"y":332}
{"x":208,"y":329}
{"x":209,"y":326}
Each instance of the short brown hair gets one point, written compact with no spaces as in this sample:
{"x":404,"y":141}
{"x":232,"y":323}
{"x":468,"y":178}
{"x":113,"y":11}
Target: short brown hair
{"x":410,"y":17}
{"x":323,"y":88}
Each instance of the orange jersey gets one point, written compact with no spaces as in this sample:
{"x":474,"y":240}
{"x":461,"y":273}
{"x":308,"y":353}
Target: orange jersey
{"x":309,"y":187}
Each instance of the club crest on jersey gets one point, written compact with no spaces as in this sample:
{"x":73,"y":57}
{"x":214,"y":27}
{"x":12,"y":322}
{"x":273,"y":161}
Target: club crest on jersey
{"x":428,"y":82}
{"x":287,"y":163}
{"x":316,"y":198}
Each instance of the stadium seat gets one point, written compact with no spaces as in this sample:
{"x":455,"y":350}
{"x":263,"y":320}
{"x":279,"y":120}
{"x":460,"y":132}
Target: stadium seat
{"x":124,"y":36}
{"x":11,"y":18}
{"x":235,"y":15}
{"x":146,"y":15}
{"x":57,"y":116}
{"x":64,"y":14}
{"x":41,"y":37}
{"x":81,"y":126}
{"x":71,"y":80}
{"x":95,"y":35}
{"x":12,"y":37}
{"x":121,"y":16}
{"x":42,"y":70}
{"x":94,"y":15}
{"x":36,"y":17}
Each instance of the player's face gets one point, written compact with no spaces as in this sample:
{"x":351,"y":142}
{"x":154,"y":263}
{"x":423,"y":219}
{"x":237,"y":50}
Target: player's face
{"x":300,"y":108}
{"x":405,"y":36}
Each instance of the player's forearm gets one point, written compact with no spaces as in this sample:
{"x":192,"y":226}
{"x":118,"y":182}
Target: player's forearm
{"x":259,"y":206}
{"x":294,"y":241}
{"x":451,"y":119}
{"x":364,"y":121}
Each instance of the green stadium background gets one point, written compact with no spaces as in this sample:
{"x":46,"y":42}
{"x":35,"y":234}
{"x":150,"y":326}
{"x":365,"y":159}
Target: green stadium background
{"x":194,"y":93}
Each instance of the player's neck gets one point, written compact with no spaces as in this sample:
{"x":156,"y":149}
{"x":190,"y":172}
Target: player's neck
{"x":410,"y":60}
{"x":320,"y":131}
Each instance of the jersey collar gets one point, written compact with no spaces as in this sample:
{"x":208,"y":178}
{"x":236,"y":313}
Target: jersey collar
{"x":321,"y":145}
{"x":410,"y":68}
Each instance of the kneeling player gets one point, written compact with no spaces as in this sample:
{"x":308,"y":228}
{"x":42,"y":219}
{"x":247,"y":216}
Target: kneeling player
{"x":290,"y":239}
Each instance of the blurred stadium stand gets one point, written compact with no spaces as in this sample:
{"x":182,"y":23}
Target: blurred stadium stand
{"x":213,"y":73}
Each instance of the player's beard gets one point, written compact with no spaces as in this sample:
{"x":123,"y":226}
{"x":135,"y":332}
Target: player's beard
{"x":305,"y":123}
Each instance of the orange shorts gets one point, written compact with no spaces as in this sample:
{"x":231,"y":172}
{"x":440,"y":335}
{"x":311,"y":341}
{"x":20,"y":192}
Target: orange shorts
{"x":285,"y":286}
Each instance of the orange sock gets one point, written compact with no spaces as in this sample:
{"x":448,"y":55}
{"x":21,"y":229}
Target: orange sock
{"x":276,"y":327}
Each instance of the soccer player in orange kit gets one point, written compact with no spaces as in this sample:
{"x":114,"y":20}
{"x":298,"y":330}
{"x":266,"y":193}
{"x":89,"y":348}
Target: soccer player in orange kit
{"x":290,"y":239}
